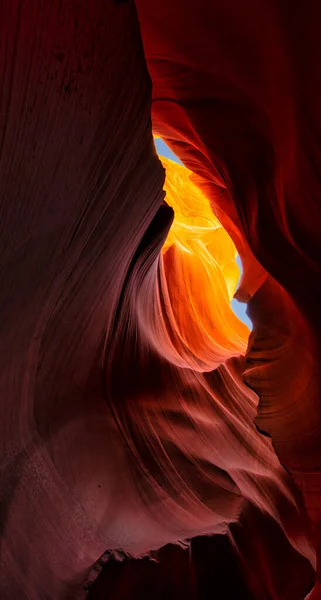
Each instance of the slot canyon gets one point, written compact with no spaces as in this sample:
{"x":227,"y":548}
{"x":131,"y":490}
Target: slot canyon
{"x":153,"y":445}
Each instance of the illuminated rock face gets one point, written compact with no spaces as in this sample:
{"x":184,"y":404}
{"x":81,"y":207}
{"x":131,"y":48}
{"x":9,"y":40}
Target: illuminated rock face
{"x":131,"y":408}
{"x":201,"y":275}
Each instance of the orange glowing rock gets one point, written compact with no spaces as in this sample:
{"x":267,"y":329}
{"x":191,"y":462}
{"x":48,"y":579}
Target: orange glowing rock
{"x":201,"y":272}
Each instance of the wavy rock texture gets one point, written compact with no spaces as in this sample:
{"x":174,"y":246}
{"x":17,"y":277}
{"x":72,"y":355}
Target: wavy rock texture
{"x":131,"y":417}
{"x":233,"y":97}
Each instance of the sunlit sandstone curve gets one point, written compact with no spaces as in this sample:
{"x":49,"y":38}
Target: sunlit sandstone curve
{"x":201,"y":273}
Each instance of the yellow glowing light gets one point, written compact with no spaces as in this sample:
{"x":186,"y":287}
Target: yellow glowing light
{"x":201,"y":272}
